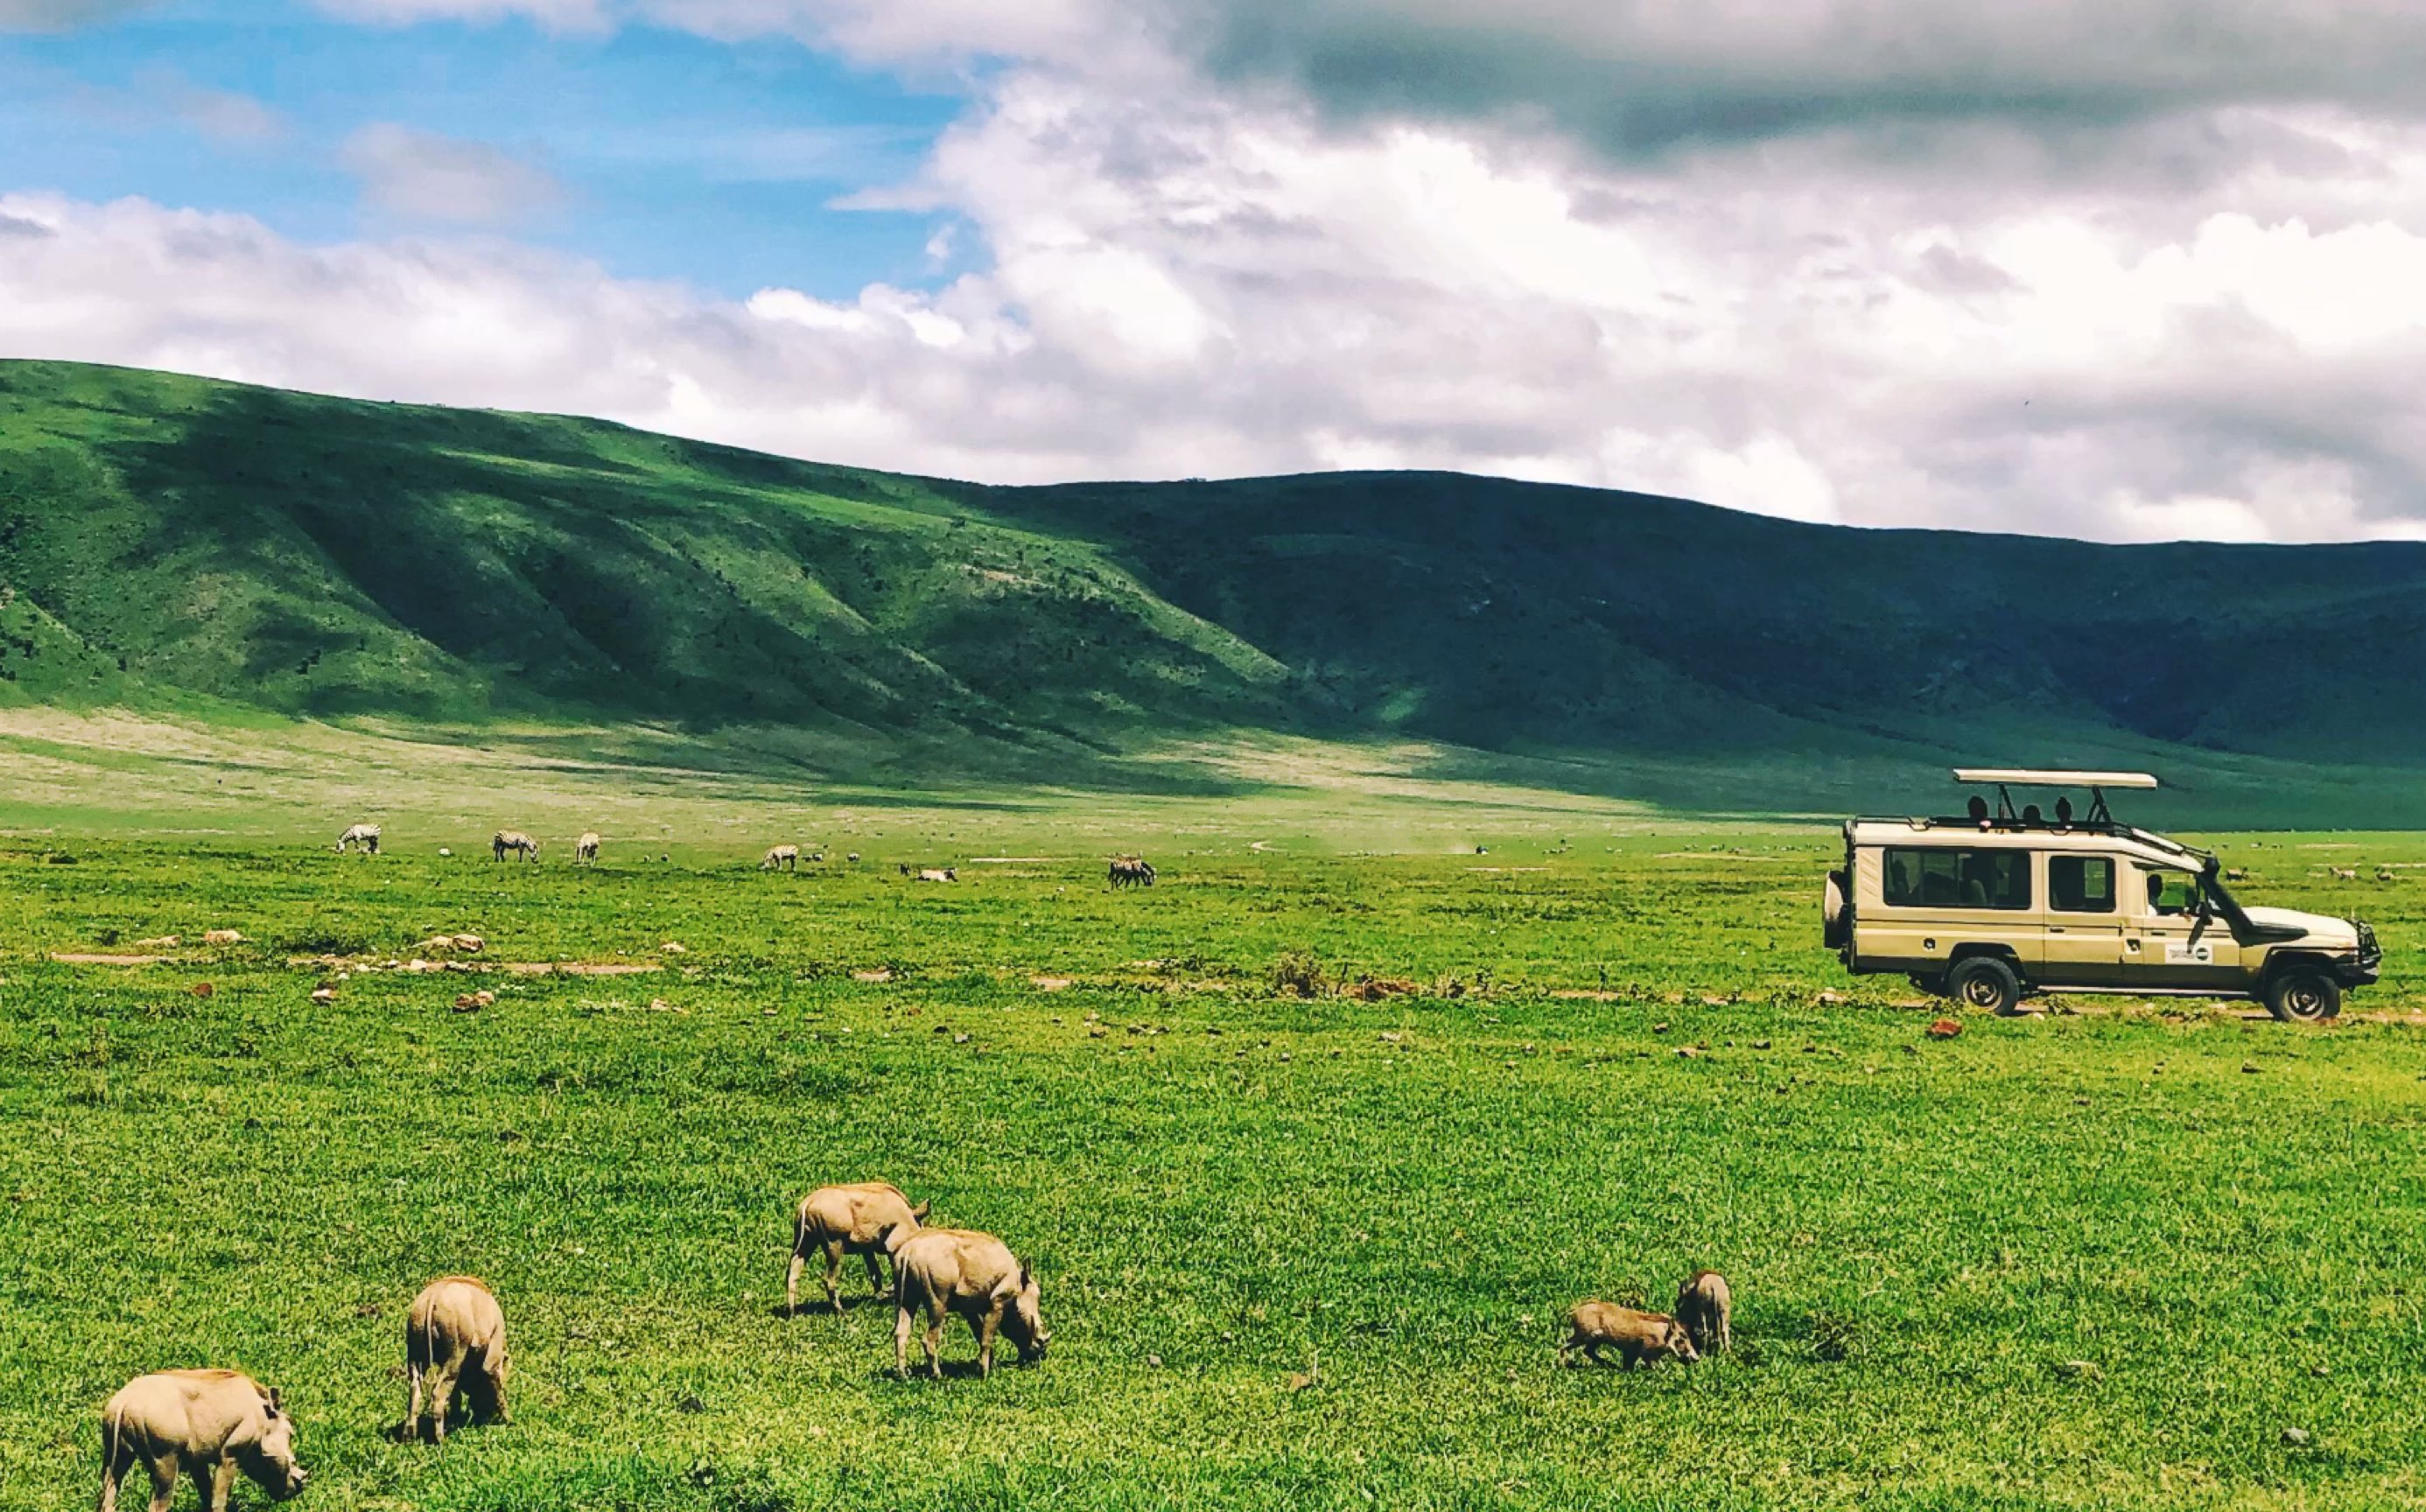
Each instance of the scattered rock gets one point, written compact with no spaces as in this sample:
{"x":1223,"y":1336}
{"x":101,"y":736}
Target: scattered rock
{"x":1097,"y":1032}
{"x":960,"y":1039}
{"x":444,"y":944}
{"x":880,"y":973}
{"x":1660,"y":1028}
{"x":222,"y":937}
{"x":2296,"y":1438}
{"x":445,"y":850}
{"x":200,"y":990}
{"x":2081,"y":1370}
{"x":1829,"y":999}
{"x":1760,"y":1044}
{"x":159,"y":942}
{"x":1689,"y":1051}
{"x":2249,"y":1067}
{"x":471,"y":1002}
{"x":1945,"y":1029}
{"x":675,"y":947}
{"x":324,"y":995}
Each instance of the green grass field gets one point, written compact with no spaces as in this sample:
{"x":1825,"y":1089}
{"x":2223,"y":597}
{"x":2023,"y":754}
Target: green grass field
{"x":1296,"y":1252}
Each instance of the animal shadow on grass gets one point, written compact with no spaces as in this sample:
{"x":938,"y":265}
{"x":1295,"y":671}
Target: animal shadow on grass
{"x":820,"y":1308}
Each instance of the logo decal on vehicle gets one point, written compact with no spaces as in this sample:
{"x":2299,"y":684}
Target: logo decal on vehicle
{"x":2182,"y":953}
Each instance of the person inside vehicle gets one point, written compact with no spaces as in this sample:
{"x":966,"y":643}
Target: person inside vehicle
{"x":1979,"y":811}
{"x":2031,"y":818}
{"x":2063,"y":813}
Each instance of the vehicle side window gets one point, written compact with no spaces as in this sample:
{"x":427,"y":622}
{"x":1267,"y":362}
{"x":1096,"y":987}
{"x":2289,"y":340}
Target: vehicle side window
{"x":2080,"y":884}
{"x":2173,"y":893}
{"x":1936,"y":879}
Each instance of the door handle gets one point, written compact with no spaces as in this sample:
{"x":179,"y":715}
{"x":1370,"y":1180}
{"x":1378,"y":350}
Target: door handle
{"x":2055,"y":930}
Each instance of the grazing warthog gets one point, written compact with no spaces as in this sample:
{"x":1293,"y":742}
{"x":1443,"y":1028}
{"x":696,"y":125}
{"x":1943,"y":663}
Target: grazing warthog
{"x":586,"y":848}
{"x":455,"y":1336}
{"x":513,"y":840}
{"x":2344,"y":874}
{"x":2236,"y":873}
{"x":1636,"y":1335}
{"x":1706,"y":1308}
{"x":2384,"y":873}
{"x":972,"y":1275}
{"x":786,"y":857}
{"x":207,"y":1423}
{"x":365,"y":835}
{"x":1131,"y":870}
{"x":947,"y":873}
{"x":865,"y":1219}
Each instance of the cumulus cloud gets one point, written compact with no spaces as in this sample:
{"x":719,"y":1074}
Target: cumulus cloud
{"x":424,"y":176}
{"x":2135,"y":271}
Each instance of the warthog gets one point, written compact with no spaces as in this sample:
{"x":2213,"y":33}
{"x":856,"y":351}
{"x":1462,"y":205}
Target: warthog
{"x":513,"y":840}
{"x":365,"y":835}
{"x":1706,"y":1308}
{"x":972,"y":1275}
{"x":947,"y":873}
{"x":2384,"y":873}
{"x":207,"y":1423}
{"x":1131,"y":870}
{"x":1634,"y":1334}
{"x":455,"y":1336}
{"x":2344,"y":874}
{"x":586,"y":848}
{"x":2236,"y":873}
{"x":865,"y":1219}
{"x":786,"y":857}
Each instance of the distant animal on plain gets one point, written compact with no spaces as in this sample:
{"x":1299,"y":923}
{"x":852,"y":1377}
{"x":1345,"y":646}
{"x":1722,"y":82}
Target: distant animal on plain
{"x":853,"y":856}
{"x":1706,"y":1308}
{"x":365,"y":835}
{"x":207,"y":1423}
{"x":2384,"y":873}
{"x":513,"y":840}
{"x":2236,"y":873}
{"x":947,"y":874}
{"x":2344,"y":874}
{"x":905,"y":867}
{"x":865,"y":1218}
{"x":973,"y":1276}
{"x":1636,"y":1335}
{"x":786,"y":857}
{"x":1131,"y":870}
{"x":455,"y":1339}
{"x":586,"y":848}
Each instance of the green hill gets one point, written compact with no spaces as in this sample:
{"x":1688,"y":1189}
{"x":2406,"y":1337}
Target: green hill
{"x":174,"y":541}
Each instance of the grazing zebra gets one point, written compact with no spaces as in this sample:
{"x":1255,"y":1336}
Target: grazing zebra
{"x":786,"y":857}
{"x":586,"y":848}
{"x":365,"y":835}
{"x":513,"y":840}
{"x":1131,"y":870}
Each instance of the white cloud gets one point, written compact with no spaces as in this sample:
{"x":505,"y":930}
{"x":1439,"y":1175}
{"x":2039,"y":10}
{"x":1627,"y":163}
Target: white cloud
{"x":424,"y":176}
{"x":2202,"y":320}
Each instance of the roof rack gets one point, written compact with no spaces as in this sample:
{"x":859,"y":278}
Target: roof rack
{"x":2097,"y":782}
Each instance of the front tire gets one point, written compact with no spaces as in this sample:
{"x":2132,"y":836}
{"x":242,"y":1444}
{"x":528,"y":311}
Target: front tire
{"x":2303,"y":994}
{"x":1986,"y":983}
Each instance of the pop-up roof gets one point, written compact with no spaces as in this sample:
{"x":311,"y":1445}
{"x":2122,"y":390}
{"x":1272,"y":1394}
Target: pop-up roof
{"x":2040,"y":776}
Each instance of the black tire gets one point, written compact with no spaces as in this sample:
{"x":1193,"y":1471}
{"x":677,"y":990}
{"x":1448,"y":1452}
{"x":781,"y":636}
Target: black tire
{"x":1986,"y":983}
{"x":2303,"y":994}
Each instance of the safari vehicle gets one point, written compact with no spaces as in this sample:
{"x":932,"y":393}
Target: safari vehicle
{"x":1993,"y":905}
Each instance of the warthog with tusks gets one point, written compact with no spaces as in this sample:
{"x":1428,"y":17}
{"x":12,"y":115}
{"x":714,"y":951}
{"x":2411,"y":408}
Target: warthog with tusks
{"x":455,"y":1339}
{"x":865,"y":1218}
{"x":973,"y":1275}
{"x":1706,"y":1308}
{"x":208,"y":1425}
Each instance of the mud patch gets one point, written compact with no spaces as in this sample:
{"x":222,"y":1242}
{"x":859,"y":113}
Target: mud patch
{"x":881,"y":973}
{"x":79,"y":957}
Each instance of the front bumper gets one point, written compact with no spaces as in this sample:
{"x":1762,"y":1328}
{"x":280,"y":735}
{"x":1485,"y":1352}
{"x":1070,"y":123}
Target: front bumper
{"x":2367,"y":965}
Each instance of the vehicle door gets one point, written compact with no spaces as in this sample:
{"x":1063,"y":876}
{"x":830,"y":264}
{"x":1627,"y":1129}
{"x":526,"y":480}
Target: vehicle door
{"x":2084,"y":920}
{"x":2172,"y":937}
{"x":1937,"y":899}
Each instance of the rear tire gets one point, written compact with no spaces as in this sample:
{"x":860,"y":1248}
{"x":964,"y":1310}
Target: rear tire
{"x":1986,"y":983}
{"x":2303,"y":994}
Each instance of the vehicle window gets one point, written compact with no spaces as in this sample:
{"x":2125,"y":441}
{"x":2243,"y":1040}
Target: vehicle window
{"x":2080,"y":884}
{"x":2173,"y":893}
{"x":1958,"y":878}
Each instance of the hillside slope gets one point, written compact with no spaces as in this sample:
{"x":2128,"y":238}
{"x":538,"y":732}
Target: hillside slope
{"x":165,"y":538}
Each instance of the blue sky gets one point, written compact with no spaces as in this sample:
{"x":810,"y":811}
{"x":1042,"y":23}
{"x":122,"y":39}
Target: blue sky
{"x":2134,"y":269}
{"x":677,"y":157}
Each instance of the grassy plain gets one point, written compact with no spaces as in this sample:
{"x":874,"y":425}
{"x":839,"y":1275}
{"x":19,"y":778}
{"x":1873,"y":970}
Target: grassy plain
{"x":1296,"y":1253}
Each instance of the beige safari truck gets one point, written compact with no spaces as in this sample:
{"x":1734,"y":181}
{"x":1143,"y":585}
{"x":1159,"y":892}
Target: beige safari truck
{"x":1994,"y":904}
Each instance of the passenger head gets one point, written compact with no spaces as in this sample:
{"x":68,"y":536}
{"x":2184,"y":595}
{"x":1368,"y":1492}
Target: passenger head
{"x":1978,"y":809}
{"x":2031,"y":815}
{"x":2064,"y":811}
